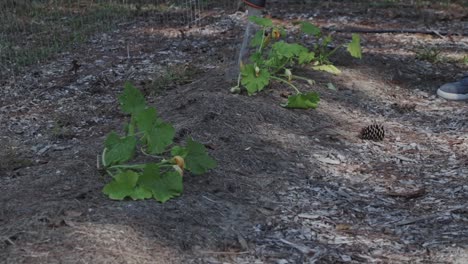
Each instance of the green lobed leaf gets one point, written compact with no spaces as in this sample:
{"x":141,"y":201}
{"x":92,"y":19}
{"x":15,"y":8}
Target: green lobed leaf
{"x":257,"y":39}
{"x":197,"y":159}
{"x":354,"y":48}
{"x":179,"y":151}
{"x":257,"y":58}
{"x":132,"y":100}
{"x":303,"y":101}
{"x":287,"y":50}
{"x":327,"y":68}
{"x":310,"y":29}
{"x":118,"y":150}
{"x":163,"y":186}
{"x":159,"y":137}
{"x":251,"y":81}
{"x":261,"y":21}
{"x":276,"y":62}
{"x":122,"y":185}
{"x":130,"y":128}
{"x":145,"y":119}
{"x":306,"y":57}
{"x":140,"y":193}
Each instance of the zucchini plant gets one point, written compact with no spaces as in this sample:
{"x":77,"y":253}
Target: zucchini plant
{"x":274,"y":60}
{"x":147,"y":133}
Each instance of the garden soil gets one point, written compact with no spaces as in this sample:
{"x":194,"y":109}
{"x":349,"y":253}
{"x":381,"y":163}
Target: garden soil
{"x":291,"y":186}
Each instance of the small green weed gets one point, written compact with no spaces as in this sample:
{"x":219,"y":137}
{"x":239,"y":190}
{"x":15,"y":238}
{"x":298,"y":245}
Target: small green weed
{"x":61,"y":126}
{"x":147,"y":132}
{"x":61,"y":131}
{"x":430,"y":54}
{"x":465,"y":60}
{"x":173,"y":76}
{"x":11,"y":159}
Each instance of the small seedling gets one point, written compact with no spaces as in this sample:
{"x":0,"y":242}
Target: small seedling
{"x":429,"y":54}
{"x":465,"y":60}
{"x":147,"y":132}
{"x":11,"y":159}
{"x":172,"y":76}
{"x":60,"y":131}
{"x":275,"y":59}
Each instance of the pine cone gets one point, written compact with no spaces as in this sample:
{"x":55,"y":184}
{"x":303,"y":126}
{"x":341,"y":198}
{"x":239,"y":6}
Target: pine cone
{"x":375,"y":132}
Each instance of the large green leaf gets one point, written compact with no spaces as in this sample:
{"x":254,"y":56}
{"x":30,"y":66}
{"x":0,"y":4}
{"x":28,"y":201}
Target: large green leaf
{"x":122,"y":185}
{"x":163,"y":186}
{"x":256,"y":57}
{"x":276,"y":62}
{"x":197,"y":159}
{"x":282,"y":49}
{"x":118,"y":150}
{"x":140,"y":193}
{"x":159,"y":137}
{"x":264,"y":22}
{"x":303,"y":101}
{"x":132,"y":100}
{"x":354,"y":48}
{"x":310,"y":29}
{"x":179,"y":151}
{"x":251,"y":81}
{"x":145,"y":119}
{"x":306,"y":57}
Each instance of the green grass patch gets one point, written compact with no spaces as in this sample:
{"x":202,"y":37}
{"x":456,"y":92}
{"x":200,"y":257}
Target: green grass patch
{"x":32,"y":33}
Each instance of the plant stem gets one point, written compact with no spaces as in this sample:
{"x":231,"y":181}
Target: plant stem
{"x":147,"y":154}
{"x":263,"y":40}
{"x":163,"y":163}
{"x":103,"y":158}
{"x":131,"y":127}
{"x":154,"y":156}
{"x":301,"y":78}
{"x":135,"y":166}
{"x":139,"y":133}
{"x":110,"y":173}
{"x":286,"y":82}
{"x":282,"y":66}
{"x":239,"y":77}
{"x":333,"y":51}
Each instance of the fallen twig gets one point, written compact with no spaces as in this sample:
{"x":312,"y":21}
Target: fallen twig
{"x":303,"y":249}
{"x":428,"y":217}
{"x":223,"y":252}
{"x":396,"y":31}
{"x":408,"y":194}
